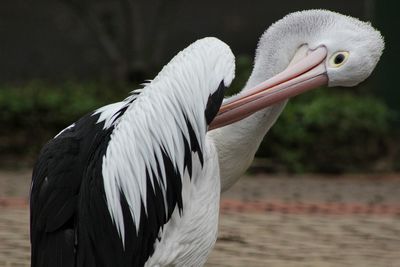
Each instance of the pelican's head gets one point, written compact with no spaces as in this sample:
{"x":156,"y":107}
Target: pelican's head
{"x":302,"y":51}
{"x":353,"y":47}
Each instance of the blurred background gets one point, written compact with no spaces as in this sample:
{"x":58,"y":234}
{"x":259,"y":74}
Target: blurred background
{"x":60,"y":59}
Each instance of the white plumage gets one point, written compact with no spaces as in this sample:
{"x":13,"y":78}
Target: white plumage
{"x":278,"y":47}
{"x":188,"y":238}
{"x":156,"y":121}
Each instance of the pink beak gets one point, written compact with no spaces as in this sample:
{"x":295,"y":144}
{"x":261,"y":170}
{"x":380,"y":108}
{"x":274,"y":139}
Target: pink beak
{"x":306,"y":74}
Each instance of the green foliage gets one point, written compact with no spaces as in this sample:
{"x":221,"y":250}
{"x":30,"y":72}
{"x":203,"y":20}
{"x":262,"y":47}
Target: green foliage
{"x":323,"y":131}
{"x":329,"y":131}
{"x":244,"y":65}
{"x":34,"y":112}
{"x":36,"y":102}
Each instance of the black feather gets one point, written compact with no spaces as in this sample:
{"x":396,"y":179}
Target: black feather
{"x":214,"y":103}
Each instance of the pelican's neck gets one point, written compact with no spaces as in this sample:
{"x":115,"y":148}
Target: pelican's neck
{"x":237,"y":143}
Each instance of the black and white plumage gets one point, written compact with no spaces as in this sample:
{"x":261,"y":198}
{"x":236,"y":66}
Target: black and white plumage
{"x":129,"y":185}
{"x":138,"y":182}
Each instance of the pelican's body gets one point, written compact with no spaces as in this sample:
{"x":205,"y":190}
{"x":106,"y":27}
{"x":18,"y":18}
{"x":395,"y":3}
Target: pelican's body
{"x":136,"y":182}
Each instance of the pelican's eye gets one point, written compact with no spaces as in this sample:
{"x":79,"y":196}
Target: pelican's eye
{"x":338,"y":59}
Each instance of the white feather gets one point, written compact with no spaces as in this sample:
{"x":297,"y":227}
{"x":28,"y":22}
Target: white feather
{"x":187,"y":239}
{"x":69,"y":127}
{"x":155,"y":121}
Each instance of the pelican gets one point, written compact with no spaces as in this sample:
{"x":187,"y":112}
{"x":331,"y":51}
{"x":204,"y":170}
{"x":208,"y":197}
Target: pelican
{"x":138,"y":182}
{"x":349,"y":51}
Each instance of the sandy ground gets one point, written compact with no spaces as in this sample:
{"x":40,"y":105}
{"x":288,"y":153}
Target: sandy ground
{"x":259,"y":237}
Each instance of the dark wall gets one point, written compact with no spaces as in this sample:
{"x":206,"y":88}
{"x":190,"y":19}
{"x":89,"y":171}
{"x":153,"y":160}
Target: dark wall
{"x":40,"y":39}
{"x":44,"y":39}
{"x":388,"y":21}
{"x":240,"y":23}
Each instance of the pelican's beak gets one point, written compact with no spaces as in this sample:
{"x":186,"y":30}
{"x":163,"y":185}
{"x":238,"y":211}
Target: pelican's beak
{"x":303,"y":74}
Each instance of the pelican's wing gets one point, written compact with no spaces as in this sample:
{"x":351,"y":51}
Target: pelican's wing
{"x":135,"y":183}
{"x":56,"y":182}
